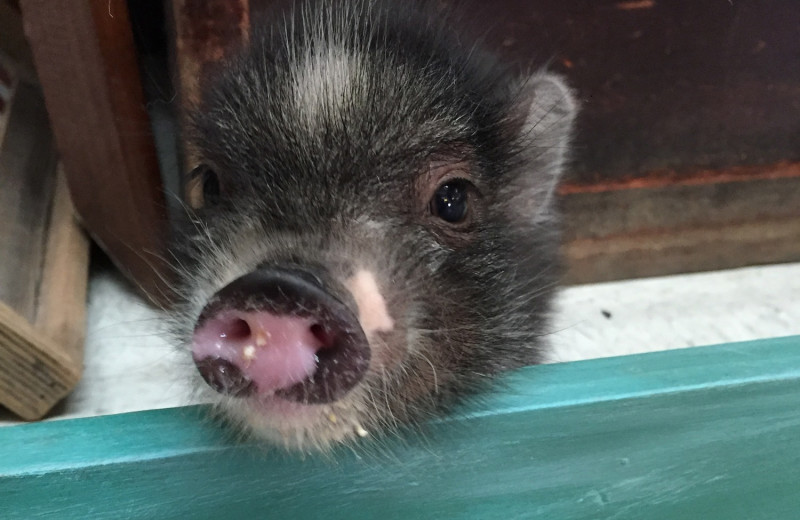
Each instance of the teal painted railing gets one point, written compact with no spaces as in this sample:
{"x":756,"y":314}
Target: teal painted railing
{"x":701,"y":433}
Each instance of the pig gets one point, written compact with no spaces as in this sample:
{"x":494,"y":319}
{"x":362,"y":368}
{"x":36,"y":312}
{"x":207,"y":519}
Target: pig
{"x":378,"y":236}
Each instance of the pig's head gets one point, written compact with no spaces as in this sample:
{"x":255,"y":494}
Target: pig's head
{"x":377,"y":236}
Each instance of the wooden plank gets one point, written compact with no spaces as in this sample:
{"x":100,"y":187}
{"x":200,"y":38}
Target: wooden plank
{"x":666,"y":86}
{"x":43,"y":259}
{"x":41,"y":352}
{"x":35,"y":372}
{"x":61,"y":302}
{"x":657,"y":252}
{"x":87,"y":67}
{"x":27,"y":161}
{"x":713,"y":220}
{"x":746,"y":215}
{"x":700,"y":433}
{"x":744,"y":194}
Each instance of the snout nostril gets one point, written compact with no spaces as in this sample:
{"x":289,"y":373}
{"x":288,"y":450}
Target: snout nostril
{"x":277,"y":331}
{"x":224,"y":377}
{"x":323,"y":335}
{"x":235,"y":329}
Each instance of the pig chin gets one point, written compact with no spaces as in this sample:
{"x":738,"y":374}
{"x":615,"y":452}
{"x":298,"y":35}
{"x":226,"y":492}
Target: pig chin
{"x":282,"y":370}
{"x":297,"y":426}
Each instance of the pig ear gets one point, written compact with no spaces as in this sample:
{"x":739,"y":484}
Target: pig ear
{"x":545,"y":111}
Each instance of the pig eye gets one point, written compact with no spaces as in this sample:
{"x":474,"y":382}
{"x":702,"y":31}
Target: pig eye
{"x":450,"y":201}
{"x":209,"y":181}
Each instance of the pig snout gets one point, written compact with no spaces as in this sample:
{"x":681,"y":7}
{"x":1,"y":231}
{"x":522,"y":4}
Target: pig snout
{"x":278,"y":331}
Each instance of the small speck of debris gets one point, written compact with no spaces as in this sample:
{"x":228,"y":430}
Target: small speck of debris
{"x":262,"y":337}
{"x":332,"y":418}
{"x":249,"y":353}
{"x":606,"y":314}
{"x":361,"y":431}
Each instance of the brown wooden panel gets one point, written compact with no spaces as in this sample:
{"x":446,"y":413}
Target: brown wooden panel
{"x":710,"y":198}
{"x":667,"y":86}
{"x":715,"y":219}
{"x":706,"y":248}
{"x":87,"y":67}
{"x":61,"y":302}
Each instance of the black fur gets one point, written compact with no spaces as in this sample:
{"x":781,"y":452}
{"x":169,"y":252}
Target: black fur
{"x":339,"y":186}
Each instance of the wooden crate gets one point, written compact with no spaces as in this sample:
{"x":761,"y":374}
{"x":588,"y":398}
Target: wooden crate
{"x":44,"y":259}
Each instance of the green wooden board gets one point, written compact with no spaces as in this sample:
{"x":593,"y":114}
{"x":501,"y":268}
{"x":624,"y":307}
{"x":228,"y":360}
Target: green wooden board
{"x":702,"y":433}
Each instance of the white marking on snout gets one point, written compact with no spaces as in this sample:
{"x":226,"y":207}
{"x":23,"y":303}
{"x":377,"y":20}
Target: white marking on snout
{"x":372,"y":311}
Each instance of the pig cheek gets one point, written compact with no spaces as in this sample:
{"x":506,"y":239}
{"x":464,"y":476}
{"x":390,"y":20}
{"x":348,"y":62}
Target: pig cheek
{"x":378,"y":323}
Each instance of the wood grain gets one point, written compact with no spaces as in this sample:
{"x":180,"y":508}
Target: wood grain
{"x":27,"y":160}
{"x":43,"y":265}
{"x":708,"y":198}
{"x":674,"y":251}
{"x":708,"y":433}
{"x":712,"y":220}
{"x":41,"y":357}
{"x":61,"y":303}
{"x":35,"y":372}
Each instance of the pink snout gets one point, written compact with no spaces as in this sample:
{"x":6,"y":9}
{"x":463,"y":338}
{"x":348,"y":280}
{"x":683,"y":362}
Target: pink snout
{"x":271,"y":352}
{"x":278,"y":331}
